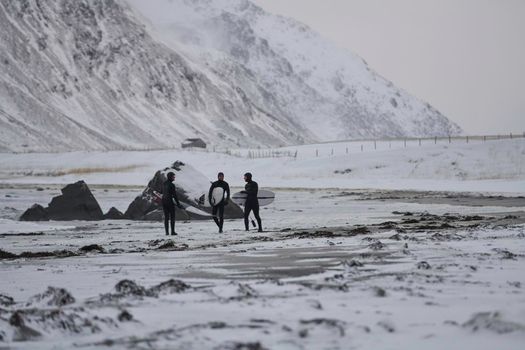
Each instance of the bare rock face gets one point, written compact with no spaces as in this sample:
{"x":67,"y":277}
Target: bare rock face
{"x":76,"y":203}
{"x":114,"y":214}
{"x":35,"y":213}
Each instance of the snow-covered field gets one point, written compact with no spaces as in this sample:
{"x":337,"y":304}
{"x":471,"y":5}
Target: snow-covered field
{"x":350,"y":260}
{"x":495,"y":166}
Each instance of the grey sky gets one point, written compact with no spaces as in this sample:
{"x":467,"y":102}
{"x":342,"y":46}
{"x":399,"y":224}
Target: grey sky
{"x":465,"y":57}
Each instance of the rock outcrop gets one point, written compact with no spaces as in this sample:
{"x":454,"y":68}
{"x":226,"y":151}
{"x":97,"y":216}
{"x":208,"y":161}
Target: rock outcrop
{"x":35,"y":213}
{"x":114,"y":214}
{"x":190,"y":185}
{"x":76,"y":203}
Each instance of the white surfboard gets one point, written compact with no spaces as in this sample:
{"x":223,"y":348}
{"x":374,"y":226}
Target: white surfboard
{"x":217,"y":196}
{"x":265,"y":197}
{"x":192,"y":209}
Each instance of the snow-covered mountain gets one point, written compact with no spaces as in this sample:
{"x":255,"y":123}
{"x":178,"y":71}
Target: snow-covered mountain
{"x":100,"y":74}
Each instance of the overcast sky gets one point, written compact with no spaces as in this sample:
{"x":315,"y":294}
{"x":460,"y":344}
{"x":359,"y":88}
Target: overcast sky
{"x":465,"y":57}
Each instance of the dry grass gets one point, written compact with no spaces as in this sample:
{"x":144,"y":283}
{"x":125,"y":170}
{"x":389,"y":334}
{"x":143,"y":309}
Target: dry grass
{"x":91,"y":170}
{"x":77,"y":171}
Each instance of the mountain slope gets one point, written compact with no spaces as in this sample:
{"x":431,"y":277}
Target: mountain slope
{"x":91,"y":74}
{"x":329,"y":90}
{"x":87,"y":75}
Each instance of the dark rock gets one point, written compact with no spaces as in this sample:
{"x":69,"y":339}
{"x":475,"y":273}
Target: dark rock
{"x":506,"y":254}
{"x":352,"y":263}
{"x":387,"y":225}
{"x":55,"y":254}
{"x":114,"y":214}
{"x":22,"y":332}
{"x":170,"y":245}
{"x":362,"y":230}
{"x":125,"y":316}
{"x":169,"y":287}
{"x":7,"y":255}
{"x":55,"y":321}
{"x":91,"y":248}
{"x":217,"y":324}
{"x":395,"y":237}
{"x":404,"y":213}
{"x":35,"y":213}
{"x":129,"y":287}
{"x":76,"y":203}
{"x":140,"y":206}
{"x":6,"y":300}
{"x":379,"y":292}
{"x":378,"y":245}
{"x":241,"y":346}
{"x":423,"y":265}
{"x":53,"y":297}
{"x":329,"y":322}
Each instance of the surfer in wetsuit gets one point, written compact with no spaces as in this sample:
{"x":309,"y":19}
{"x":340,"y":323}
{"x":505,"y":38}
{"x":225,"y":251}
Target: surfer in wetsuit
{"x":169,"y":198}
{"x":252,"y":203}
{"x":219,"y":208}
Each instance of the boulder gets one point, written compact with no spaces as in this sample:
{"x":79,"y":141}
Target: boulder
{"x":140,"y":206}
{"x":114,"y":214}
{"x":190,"y":185}
{"x":35,"y":213}
{"x":76,"y":203}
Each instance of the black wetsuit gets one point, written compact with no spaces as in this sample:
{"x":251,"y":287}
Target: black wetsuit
{"x":219,"y":208}
{"x":169,"y":195}
{"x":252,"y":203}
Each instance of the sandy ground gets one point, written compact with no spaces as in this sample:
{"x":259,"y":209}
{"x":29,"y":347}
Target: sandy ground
{"x":333,"y":270}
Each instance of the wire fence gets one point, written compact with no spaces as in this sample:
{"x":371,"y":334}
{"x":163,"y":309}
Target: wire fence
{"x":337,"y":148}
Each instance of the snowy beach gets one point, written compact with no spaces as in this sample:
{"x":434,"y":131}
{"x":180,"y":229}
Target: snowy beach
{"x":339,"y":266}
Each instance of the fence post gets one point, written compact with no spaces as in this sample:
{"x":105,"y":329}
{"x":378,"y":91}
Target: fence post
{"x":375,"y":145}
{"x":449,"y":139}
{"x":467,"y":138}
{"x":316,"y":152}
{"x":405,"y":143}
{"x":435,"y":140}
{"x":332,"y":151}
{"x":346,"y":150}
{"x":511,"y":136}
{"x":419,"y":142}
{"x":361,"y":148}
{"x":484,"y":138}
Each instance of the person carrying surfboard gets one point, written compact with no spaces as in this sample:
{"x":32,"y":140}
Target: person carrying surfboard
{"x":169,"y":198}
{"x":252,"y":202}
{"x":219,"y":196}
